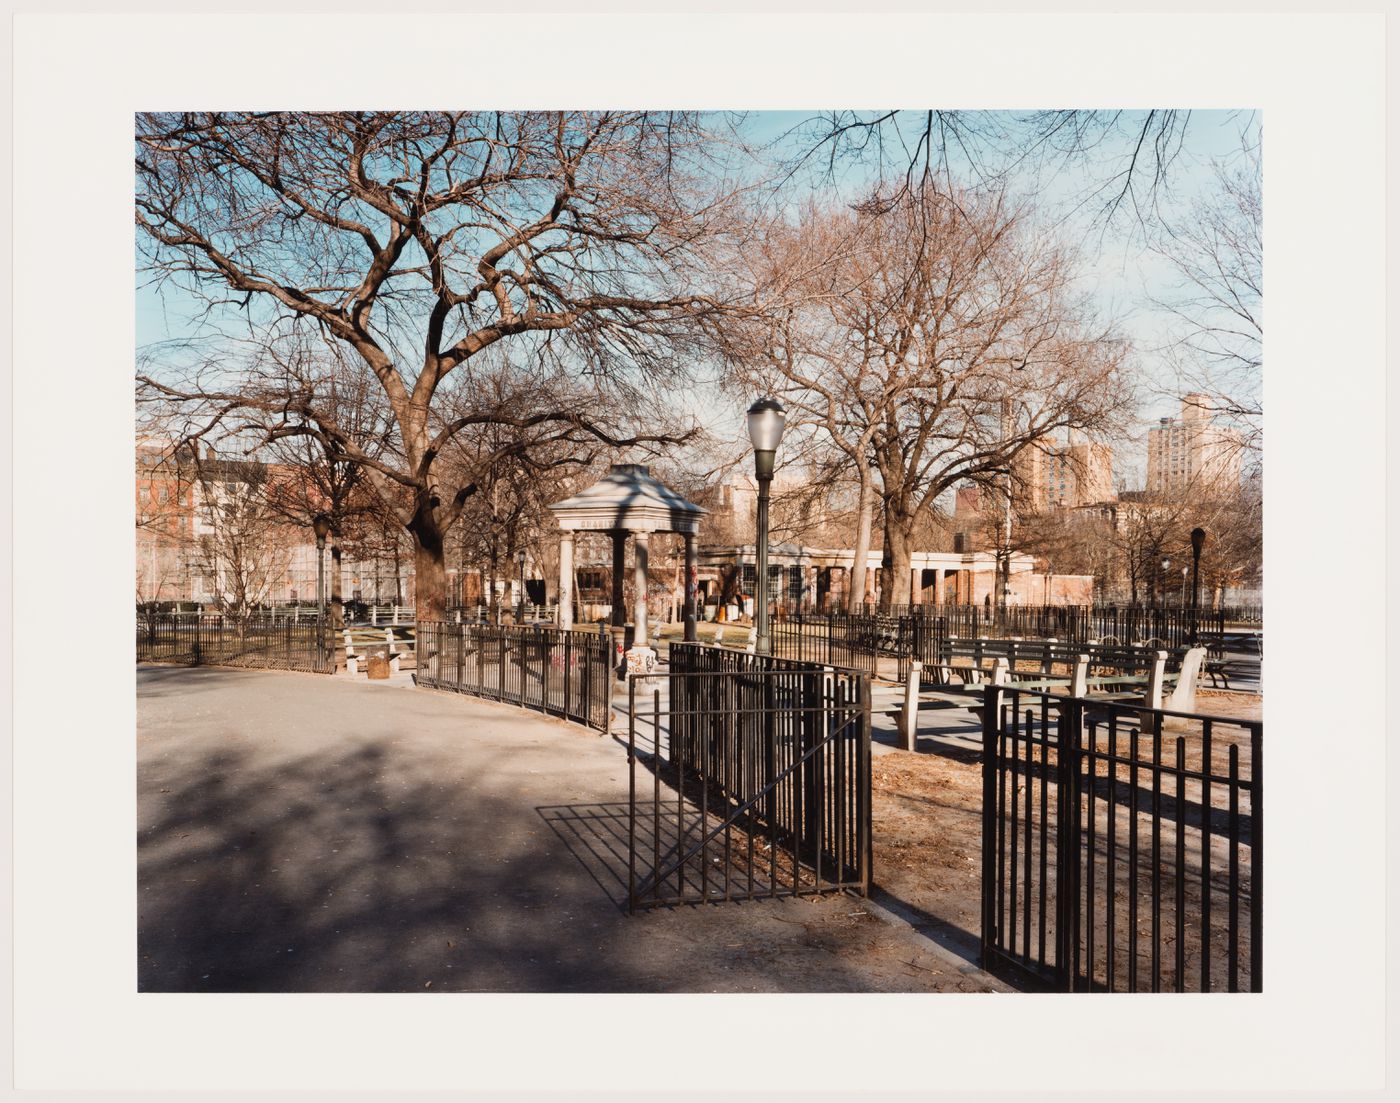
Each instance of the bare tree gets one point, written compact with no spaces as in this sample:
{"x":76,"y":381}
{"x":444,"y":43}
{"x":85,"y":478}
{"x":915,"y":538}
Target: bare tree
{"x":942,"y":341}
{"x":1149,"y":528}
{"x":517,"y":470}
{"x":1129,"y":156}
{"x":1217,"y":253}
{"x":417,"y":242}
{"x":243,"y":545}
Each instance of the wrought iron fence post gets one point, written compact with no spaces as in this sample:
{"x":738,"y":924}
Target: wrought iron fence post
{"x":1256,"y":857}
{"x":991,"y":723}
{"x":808,"y":717}
{"x":632,"y":797}
{"x":568,"y":673}
{"x":1067,"y":842}
{"x":865,"y":840}
{"x":770,"y":755}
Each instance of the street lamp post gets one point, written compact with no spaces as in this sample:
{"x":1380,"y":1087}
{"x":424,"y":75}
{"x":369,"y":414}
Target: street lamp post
{"x":1162,"y":580}
{"x":1184,"y":569}
{"x":520,"y":559}
{"x":766,"y":418}
{"x":321,"y":526}
{"x":1198,"y":539}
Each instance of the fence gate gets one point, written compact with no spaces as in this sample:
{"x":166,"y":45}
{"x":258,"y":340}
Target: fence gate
{"x":749,"y":776}
{"x":1121,"y":846}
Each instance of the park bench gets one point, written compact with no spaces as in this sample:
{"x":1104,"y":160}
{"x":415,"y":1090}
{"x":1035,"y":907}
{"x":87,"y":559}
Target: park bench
{"x":353,"y":658}
{"x":1155,"y":687}
{"x":736,"y":636}
{"x":1219,"y":667}
{"x":1046,"y":658}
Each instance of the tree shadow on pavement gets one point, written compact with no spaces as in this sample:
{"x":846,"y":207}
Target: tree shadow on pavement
{"x":372,"y":867}
{"x":337,"y":872}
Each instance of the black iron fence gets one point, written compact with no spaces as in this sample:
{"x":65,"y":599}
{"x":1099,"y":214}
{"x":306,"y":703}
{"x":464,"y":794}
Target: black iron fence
{"x":838,"y":639}
{"x":1075,"y":623}
{"x":1240,"y":615}
{"x":216,"y":640}
{"x":1121,"y":846}
{"x":567,"y":674}
{"x":909,"y":632}
{"x":752,"y":780}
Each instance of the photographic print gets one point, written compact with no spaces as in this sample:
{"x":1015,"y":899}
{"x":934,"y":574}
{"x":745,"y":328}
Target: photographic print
{"x":634,"y":551}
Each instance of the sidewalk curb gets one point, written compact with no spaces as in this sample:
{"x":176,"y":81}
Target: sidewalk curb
{"x":891,"y":912}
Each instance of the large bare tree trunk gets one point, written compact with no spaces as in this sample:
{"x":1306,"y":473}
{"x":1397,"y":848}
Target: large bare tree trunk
{"x":429,"y":565}
{"x":894,"y":589}
{"x":855,"y":591}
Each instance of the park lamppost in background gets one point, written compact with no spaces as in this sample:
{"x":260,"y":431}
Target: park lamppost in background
{"x":767,"y":418}
{"x":1184,"y":570}
{"x":1162,"y":580}
{"x":321,"y":526}
{"x":1198,"y":539}
{"x":520,"y":559}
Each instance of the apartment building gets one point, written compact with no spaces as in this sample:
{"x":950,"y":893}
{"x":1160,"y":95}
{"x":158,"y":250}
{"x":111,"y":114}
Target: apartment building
{"x":1191,"y":450}
{"x":1049,"y":476}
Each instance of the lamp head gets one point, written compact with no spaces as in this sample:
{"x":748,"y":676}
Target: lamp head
{"x":1166,"y":563}
{"x":767,"y":419}
{"x":321,"y":526}
{"x":1198,"y":539}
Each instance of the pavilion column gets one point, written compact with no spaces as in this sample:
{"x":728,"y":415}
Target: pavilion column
{"x":691,"y":581}
{"x":916,"y":585}
{"x":640,"y":550}
{"x":619,"y":564}
{"x":869,"y":595}
{"x":938,"y":598}
{"x":566,"y":580}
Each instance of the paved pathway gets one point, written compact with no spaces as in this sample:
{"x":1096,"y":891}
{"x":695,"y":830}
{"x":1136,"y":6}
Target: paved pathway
{"x":305,"y":833}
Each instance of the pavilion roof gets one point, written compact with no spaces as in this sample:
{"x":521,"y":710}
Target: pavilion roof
{"x":630,"y":499}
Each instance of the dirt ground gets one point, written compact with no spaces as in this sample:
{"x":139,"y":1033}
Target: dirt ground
{"x":927,"y":830}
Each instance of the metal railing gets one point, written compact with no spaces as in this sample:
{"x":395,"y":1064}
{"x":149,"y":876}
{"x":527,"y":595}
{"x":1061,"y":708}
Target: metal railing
{"x":1121,"y":846}
{"x":216,"y":640}
{"x":853,"y":642}
{"x":1078,"y":623}
{"x":861,"y":640}
{"x":510,"y":611}
{"x":566,"y":674}
{"x":759,"y":780}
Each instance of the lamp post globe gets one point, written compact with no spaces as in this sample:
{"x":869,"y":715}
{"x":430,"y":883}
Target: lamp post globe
{"x":767,"y":419}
